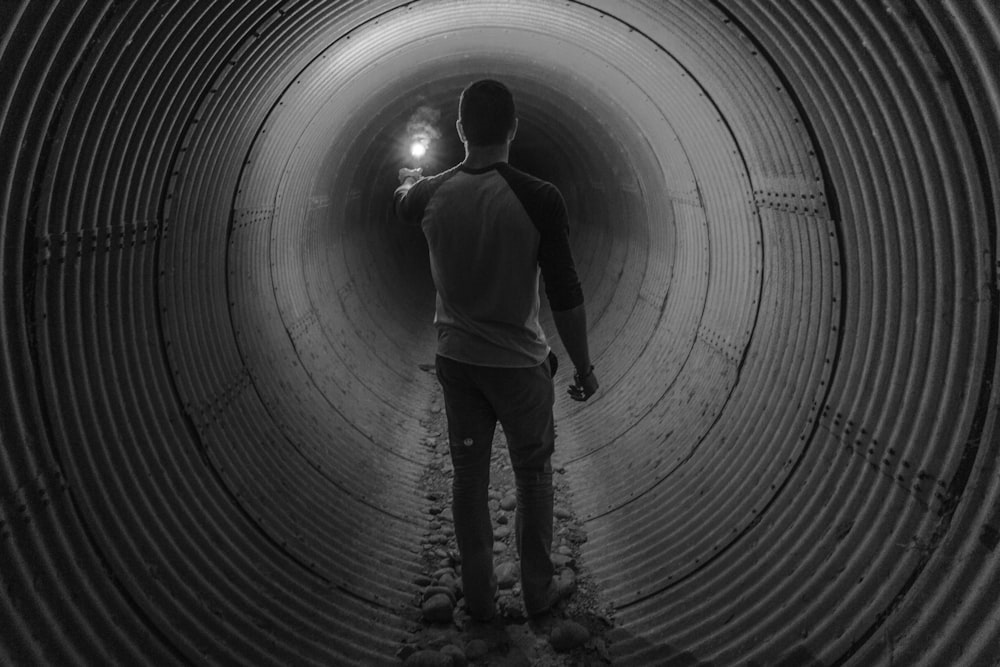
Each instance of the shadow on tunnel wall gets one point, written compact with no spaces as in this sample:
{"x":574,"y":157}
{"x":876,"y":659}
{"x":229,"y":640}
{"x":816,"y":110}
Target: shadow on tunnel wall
{"x":785,"y":218}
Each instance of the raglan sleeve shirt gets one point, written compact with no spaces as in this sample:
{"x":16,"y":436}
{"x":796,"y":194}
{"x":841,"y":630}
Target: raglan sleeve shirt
{"x":491,"y":231}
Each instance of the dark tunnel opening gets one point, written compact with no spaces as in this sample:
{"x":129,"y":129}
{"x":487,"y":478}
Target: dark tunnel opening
{"x":215,"y":336}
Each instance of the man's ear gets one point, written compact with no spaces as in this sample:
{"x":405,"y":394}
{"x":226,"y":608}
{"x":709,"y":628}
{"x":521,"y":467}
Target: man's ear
{"x":461,"y":130}
{"x":512,"y":133}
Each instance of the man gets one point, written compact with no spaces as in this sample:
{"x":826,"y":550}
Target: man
{"x":490,"y":228}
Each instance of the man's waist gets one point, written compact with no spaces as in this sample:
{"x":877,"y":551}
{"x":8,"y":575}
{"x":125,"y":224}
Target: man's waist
{"x":507,"y":349}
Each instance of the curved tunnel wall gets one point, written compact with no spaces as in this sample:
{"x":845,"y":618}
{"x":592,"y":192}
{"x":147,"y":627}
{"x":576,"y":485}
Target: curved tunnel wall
{"x":785,"y":221}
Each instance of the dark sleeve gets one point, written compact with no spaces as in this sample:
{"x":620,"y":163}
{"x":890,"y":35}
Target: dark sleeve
{"x":562,"y":286}
{"x":545,"y":206}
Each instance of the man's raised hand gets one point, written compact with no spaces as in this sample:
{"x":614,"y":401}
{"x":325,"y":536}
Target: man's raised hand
{"x":412,"y":174}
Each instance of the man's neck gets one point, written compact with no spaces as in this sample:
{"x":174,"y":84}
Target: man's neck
{"x":477,"y":157}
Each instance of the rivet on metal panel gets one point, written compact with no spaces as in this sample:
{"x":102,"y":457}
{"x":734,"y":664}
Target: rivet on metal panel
{"x":989,"y":537}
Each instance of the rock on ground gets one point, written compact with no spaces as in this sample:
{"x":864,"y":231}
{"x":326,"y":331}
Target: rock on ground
{"x":476,"y":649}
{"x":567,"y":635}
{"x":509,"y":502}
{"x":507,"y":575}
{"x":437,"y":608}
{"x":456,"y":655}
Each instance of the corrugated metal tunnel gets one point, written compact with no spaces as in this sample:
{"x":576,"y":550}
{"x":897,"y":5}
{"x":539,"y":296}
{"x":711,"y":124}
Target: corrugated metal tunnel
{"x":785,"y":218}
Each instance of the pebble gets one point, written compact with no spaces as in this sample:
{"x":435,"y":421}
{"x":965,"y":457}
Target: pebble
{"x":476,"y":649}
{"x":437,"y":609}
{"x":422,"y":580}
{"x":565,"y":550}
{"x":509,"y":502}
{"x":561,"y":560}
{"x":499,"y":547}
{"x":507,"y":575}
{"x":438,"y":642}
{"x":451,"y":582}
{"x":431,"y":591}
{"x":510,"y":609}
{"x":502,"y":519}
{"x":455,"y":654}
{"x":561,"y":513}
{"x":568,"y":635}
{"x":566,"y":583}
{"x":501,"y":533}
{"x":428,"y":659}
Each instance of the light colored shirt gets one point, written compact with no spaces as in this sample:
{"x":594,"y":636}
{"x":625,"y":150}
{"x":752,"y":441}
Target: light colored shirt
{"x":490,"y":232}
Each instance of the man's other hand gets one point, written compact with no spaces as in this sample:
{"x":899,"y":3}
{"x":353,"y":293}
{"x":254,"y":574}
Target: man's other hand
{"x":583,"y":387}
{"x":410,"y":174}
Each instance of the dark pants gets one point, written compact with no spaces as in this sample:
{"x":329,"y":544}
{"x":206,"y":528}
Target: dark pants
{"x":521,"y":399}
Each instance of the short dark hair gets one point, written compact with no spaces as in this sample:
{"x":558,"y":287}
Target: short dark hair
{"x":487,"y":112}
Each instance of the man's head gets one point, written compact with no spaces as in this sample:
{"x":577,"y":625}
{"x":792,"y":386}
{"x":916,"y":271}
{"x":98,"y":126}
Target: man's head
{"x":486,"y":115}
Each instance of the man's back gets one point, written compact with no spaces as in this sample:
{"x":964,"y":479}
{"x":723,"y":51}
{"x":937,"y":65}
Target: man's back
{"x":489,"y":230}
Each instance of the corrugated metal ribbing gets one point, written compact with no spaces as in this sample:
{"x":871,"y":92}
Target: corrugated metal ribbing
{"x":146,"y":512}
{"x":785,"y":219}
{"x":935,"y":623}
{"x":290,"y":461}
{"x":57,"y":599}
{"x":904,"y":357}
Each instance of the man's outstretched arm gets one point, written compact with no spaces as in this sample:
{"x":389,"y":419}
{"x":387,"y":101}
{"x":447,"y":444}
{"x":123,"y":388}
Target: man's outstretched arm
{"x":407,"y":178}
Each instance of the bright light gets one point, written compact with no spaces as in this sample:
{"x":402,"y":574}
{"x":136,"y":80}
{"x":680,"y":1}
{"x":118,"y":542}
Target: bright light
{"x":418,"y":149}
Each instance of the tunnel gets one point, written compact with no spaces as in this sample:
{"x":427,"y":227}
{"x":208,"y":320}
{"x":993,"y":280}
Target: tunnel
{"x":216,"y":337}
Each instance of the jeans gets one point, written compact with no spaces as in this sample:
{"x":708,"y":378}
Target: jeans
{"x":476,"y":397}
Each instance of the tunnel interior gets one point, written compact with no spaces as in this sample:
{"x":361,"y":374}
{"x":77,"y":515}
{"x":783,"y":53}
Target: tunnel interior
{"x":217,"y":337}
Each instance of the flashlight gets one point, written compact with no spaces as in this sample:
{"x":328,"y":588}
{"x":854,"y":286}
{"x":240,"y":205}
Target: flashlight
{"x":420,"y":144}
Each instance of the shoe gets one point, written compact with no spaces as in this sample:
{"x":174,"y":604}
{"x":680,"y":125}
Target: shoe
{"x":481,"y":618}
{"x":485,"y":619}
